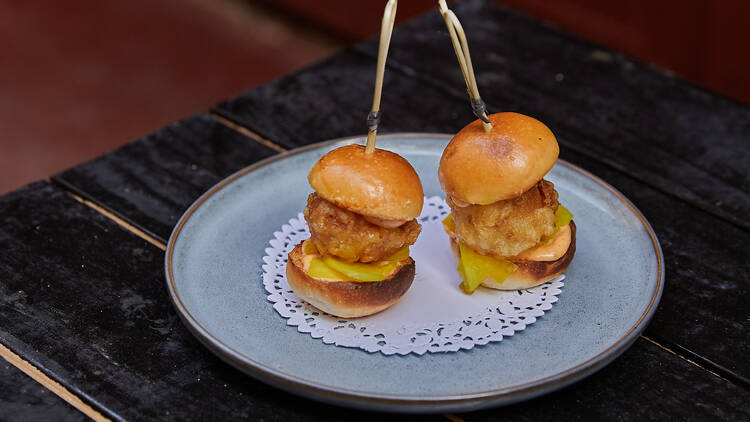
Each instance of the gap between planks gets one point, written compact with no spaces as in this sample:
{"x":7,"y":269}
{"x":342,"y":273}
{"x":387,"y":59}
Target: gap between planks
{"x":247,"y":132}
{"x":659,"y":345}
{"x":50,"y":384}
{"x":124,"y":224}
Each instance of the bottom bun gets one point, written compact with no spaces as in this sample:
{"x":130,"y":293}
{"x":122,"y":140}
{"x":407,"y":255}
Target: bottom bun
{"x":348,"y":299}
{"x":530,"y":273}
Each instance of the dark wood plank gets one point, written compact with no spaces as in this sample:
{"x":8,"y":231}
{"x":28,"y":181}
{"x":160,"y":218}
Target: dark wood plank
{"x":23,"y":399}
{"x":151,"y":181}
{"x":703,"y":307}
{"x":331,"y":99}
{"x":666,"y":390}
{"x":85,"y":302}
{"x":660,"y":129}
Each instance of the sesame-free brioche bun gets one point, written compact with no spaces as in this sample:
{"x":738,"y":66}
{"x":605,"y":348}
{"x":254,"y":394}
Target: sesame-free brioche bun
{"x":380,"y":184}
{"x":348,"y":299}
{"x":478,"y":167}
{"x":530,"y":273}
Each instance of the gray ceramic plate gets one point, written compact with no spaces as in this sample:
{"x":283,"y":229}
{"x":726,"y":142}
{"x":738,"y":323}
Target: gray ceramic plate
{"x":213,"y":267}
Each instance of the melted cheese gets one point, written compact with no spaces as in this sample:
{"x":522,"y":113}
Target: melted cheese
{"x":306,"y":259}
{"x":551,"y":251}
{"x":329,"y":268}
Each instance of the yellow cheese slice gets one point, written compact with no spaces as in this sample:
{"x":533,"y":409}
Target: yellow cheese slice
{"x":331,"y":268}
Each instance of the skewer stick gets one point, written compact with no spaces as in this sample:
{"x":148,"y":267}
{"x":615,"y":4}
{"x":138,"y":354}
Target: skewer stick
{"x":386,"y":29}
{"x":461,"y":48}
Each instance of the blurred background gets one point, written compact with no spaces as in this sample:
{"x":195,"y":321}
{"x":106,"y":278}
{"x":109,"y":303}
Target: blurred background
{"x":81,"y":77}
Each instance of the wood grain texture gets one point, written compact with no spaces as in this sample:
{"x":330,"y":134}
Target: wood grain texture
{"x":331,"y":99}
{"x":665,"y":391}
{"x":702,"y":308}
{"x":668,"y":133}
{"x":85,"y":302}
{"x":150,"y":182}
{"x":23,"y":399}
{"x":50,"y":384}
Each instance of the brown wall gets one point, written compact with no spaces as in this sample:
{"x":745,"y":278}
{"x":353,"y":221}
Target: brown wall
{"x":704,"y":41}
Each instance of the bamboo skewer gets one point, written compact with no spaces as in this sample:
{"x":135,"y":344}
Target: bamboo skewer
{"x":386,"y":29}
{"x":461,"y":48}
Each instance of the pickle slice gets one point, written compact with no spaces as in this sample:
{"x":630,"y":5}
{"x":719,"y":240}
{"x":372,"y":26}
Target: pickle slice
{"x":308,"y":247}
{"x":475,"y":268}
{"x":360,"y":271}
{"x":470,"y":269}
{"x":319,"y":269}
{"x":449,"y":224}
{"x":562,"y":216}
{"x":399,"y":256}
{"x":330,"y":267}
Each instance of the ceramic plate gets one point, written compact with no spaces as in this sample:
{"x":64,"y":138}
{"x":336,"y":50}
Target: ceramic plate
{"x":213,"y":271}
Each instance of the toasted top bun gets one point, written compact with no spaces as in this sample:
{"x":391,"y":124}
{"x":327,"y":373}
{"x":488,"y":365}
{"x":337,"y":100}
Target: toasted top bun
{"x":381,"y":184}
{"x":348,"y":299}
{"x":481,"y":168}
{"x":530,"y":273}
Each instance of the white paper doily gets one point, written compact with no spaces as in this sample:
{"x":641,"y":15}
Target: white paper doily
{"x":433,"y":316}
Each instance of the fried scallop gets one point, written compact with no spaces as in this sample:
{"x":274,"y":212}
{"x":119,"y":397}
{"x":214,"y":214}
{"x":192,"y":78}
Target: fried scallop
{"x":347,"y":235}
{"x":507,"y":228}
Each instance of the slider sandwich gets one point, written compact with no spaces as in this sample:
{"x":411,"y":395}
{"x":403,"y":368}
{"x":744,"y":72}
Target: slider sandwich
{"x":362,"y":220}
{"x":507,"y":229}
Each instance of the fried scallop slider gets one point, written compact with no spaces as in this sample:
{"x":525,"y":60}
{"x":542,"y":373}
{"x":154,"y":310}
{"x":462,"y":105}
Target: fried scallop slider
{"x":507,"y":229}
{"x":362,"y":220}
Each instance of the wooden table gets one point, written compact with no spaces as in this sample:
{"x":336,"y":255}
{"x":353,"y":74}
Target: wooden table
{"x":83,"y":302}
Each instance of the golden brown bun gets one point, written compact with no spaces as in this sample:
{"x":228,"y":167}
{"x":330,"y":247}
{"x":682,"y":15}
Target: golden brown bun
{"x":348,"y":299}
{"x":481,"y":168}
{"x":531,"y":273}
{"x":380,"y":184}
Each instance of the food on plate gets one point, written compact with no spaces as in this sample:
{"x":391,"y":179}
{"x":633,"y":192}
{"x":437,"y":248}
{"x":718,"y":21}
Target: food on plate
{"x":352,"y":236}
{"x":507,"y":229}
{"x":362,"y":220}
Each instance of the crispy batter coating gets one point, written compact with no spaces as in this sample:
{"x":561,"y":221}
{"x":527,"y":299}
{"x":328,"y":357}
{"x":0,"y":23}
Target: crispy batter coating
{"x":506,"y":228}
{"x":347,"y":235}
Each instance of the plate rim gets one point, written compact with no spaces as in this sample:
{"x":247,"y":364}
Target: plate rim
{"x":366,"y":399}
